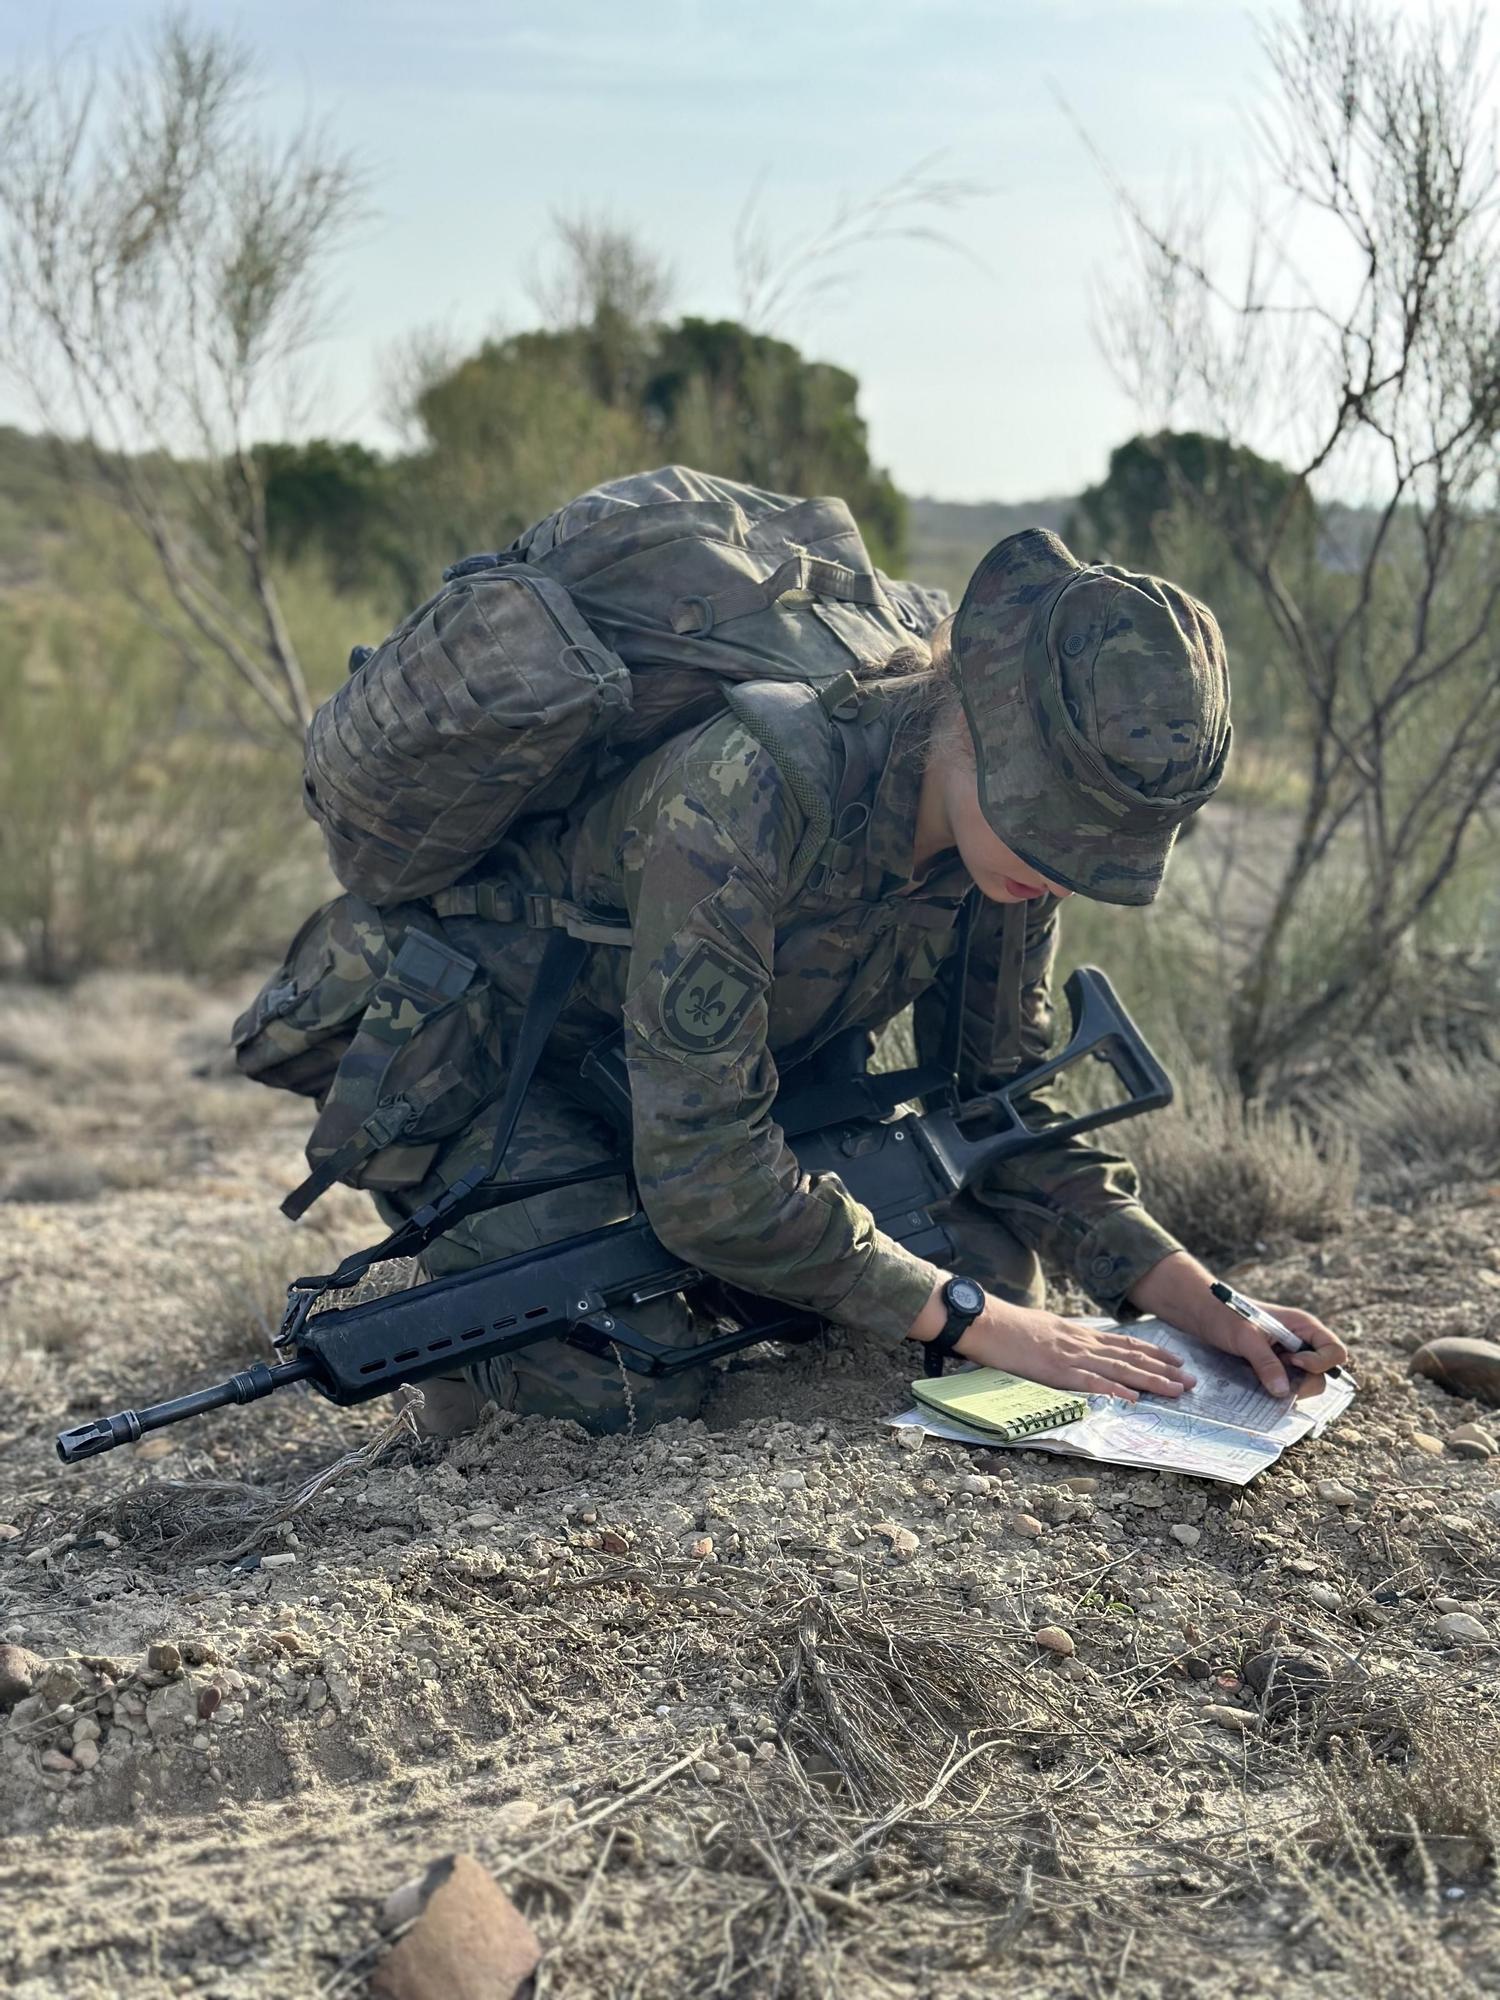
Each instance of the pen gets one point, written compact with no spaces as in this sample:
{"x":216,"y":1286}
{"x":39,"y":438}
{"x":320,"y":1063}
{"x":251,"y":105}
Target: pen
{"x":1261,"y":1320}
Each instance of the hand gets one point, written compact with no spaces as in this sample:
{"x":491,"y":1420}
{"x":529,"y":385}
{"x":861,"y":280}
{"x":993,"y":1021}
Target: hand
{"x":1177,"y":1290}
{"x":1041,"y":1347}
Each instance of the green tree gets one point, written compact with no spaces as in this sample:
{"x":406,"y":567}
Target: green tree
{"x":1128,"y":514}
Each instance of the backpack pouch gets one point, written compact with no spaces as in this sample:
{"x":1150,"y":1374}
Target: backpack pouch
{"x":394,"y":1033}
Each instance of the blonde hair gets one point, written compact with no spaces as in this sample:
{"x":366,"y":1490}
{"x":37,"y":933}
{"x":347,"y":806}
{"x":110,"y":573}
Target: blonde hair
{"x":920,"y":678}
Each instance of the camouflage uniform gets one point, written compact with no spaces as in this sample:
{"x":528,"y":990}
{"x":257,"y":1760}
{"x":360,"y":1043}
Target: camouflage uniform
{"x":696,"y":846}
{"x":1098,"y":705}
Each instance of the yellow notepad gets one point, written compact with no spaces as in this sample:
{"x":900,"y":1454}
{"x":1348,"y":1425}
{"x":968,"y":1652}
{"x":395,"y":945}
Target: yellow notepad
{"x":994,"y":1404}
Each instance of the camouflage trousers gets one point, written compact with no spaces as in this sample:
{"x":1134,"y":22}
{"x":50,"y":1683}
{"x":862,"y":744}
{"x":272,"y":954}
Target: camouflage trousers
{"x":554,"y":1378}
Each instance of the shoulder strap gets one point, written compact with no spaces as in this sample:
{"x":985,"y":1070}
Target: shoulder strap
{"x":555,"y":976}
{"x":827,"y":742}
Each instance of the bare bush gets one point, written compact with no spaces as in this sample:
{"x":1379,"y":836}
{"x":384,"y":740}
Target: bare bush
{"x":1360,"y":338}
{"x":160,"y":264}
{"x":1226,"y":1175}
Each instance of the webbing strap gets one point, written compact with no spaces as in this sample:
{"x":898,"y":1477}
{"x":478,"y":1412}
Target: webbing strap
{"x":384,"y":1126}
{"x":555,"y":977}
{"x":537,"y":911}
{"x":694,"y":617}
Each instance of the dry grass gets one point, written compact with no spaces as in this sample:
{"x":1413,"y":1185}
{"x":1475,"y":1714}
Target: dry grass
{"x":1433,"y":1811}
{"x":1226,"y":1176}
{"x":1425,"y":1120}
{"x":63,"y":1176}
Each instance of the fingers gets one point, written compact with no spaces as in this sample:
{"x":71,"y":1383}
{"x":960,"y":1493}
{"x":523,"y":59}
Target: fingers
{"x":1328,"y":1351}
{"x":1135,"y":1364}
{"x":1266,"y":1361}
{"x":1101,"y":1385}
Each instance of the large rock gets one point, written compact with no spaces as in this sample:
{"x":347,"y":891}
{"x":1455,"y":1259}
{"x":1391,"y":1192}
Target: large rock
{"x":1465,"y":1367}
{"x":20,"y":1671}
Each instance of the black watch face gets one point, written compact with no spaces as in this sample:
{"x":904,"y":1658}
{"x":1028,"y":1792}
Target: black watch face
{"x":964,"y":1295}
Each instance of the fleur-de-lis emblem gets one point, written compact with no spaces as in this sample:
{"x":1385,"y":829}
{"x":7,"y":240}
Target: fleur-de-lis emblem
{"x":706,"y":999}
{"x":704,"y":1003}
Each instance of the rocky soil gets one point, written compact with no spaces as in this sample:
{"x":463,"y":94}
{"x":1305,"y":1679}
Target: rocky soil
{"x":775,"y":1704}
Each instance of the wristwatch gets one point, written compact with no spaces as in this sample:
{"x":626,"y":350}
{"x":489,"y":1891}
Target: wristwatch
{"x":965,"y":1302}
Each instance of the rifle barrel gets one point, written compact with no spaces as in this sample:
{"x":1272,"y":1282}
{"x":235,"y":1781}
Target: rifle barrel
{"x":126,"y":1426}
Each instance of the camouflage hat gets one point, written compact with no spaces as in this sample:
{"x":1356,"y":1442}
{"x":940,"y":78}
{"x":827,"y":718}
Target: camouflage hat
{"x":1098,"y":700}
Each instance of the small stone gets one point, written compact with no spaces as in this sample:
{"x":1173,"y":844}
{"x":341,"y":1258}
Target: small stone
{"x":163,"y":1657}
{"x":1470,"y":1441}
{"x":20,"y":1670}
{"x":701,"y":1548}
{"x":57,"y":1760}
{"x":1286,"y":1680}
{"x":1459,"y":1628}
{"x":844,"y":1579}
{"x":281,"y":1559}
{"x":1082,"y":1482}
{"x":60,"y":1687}
{"x":1186,"y":1533}
{"x":708,"y":1772}
{"x":481,"y":1518}
{"x":1447,"y":1604}
{"x":341,"y":1689}
{"x":201,"y":1742}
{"x":1240,"y":1720}
{"x":908,"y":1438}
{"x":1425,"y":1441}
{"x":466,"y":1938}
{"x":1324,"y":1596}
{"x":172,"y":1710}
{"x":1336,"y":1493}
{"x":86,"y":1730}
{"x":790,"y":1482}
{"x":1464,"y":1367}
{"x":1055,"y":1640}
{"x":317,"y":1693}
{"x":9,"y":1532}
{"x":1028,"y":1525}
{"x":86,"y":1755}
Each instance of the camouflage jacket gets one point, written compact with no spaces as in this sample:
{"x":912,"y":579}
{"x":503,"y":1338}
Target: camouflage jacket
{"x":734,"y":968}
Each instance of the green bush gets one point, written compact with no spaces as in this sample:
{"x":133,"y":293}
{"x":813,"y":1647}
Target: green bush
{"x":143,"y":824}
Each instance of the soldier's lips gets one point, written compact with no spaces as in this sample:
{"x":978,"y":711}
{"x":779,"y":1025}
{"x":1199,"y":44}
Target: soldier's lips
{"x":1022,"y":892}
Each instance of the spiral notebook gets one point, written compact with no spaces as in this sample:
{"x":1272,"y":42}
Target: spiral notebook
{"x":997,"y":1405}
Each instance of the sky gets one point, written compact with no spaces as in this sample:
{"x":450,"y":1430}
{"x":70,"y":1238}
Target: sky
{"x":980,"y":365}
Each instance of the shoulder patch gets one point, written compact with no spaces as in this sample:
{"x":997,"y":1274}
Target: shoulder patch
{"x":705,"y":999}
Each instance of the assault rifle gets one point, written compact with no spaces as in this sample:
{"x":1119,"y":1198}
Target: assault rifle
{"x":841,"y":1118}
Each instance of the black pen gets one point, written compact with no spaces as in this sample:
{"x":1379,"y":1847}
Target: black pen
{"x":1260,"y":1319}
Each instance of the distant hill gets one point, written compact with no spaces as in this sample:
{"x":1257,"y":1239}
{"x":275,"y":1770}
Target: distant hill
{"x":946,"y":538}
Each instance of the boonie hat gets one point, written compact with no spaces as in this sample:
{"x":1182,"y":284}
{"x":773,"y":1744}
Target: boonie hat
{"x":1098,"y":700}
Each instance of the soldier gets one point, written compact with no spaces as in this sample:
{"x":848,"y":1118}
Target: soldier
{"x":1047,"y":740}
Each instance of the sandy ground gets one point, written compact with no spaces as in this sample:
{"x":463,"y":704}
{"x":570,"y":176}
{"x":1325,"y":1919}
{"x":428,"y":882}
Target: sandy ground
{"x":750,"y":1707}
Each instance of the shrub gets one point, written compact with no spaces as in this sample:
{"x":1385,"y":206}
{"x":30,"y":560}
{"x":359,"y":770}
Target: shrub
{"x":1225,"y":1175}
{"x":1423,"y":1119}
{"x":140,"y":829}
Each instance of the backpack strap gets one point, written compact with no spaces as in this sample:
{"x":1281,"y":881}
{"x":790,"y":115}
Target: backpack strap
{"x":498,"y":904}
{"x":561,"y":963}
{"x":695,"y":617}
{"x":828,"y":743}
{"x":424,"y":977}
